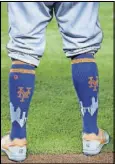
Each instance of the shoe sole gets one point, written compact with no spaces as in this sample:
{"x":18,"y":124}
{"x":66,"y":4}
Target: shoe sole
{"x":13,"y":157}
{"x":97,"y":151}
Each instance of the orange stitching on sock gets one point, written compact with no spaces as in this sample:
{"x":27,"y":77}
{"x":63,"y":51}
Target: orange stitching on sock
{"x":23,"y":71}
{"x":83,"y":60}
{"x":22,"y":94}
{"x":93,"y":83}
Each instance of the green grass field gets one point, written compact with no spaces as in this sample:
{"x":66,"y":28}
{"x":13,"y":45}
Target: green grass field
{"x":54,"y":122}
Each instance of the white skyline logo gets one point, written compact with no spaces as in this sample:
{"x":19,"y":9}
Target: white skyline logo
{"x":15,"y":115}
{"x":92,"y":109}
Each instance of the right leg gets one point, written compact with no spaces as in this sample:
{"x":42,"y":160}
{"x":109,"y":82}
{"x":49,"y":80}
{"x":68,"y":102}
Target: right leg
{"x":82,"y":36}
{"x":26,"y":46}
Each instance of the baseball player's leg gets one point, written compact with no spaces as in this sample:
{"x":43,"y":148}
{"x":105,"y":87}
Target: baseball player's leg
{"x":82,"y":36}
{"x":27,"y":41}
{"x":21,"y":88}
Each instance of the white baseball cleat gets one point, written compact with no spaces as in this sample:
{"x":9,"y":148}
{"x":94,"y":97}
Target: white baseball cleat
{"x":92,"y":143}
{"x":15,"y":150}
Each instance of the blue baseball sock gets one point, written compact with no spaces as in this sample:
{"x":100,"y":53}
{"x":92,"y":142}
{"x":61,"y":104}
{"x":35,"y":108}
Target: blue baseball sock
{"x":85,"y":80}
{"x":21,"y":87}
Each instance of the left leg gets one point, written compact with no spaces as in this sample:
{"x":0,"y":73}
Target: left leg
{"x":25,"y":47}
{"x":21,"y":89}
{"x":82,"y":36}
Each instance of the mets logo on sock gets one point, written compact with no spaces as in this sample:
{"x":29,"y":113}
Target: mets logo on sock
{"x":22,"y":94}
{"x":93,"y":83}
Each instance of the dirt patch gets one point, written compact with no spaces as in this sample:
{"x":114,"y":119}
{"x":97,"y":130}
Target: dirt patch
{"x":65,"y":158}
